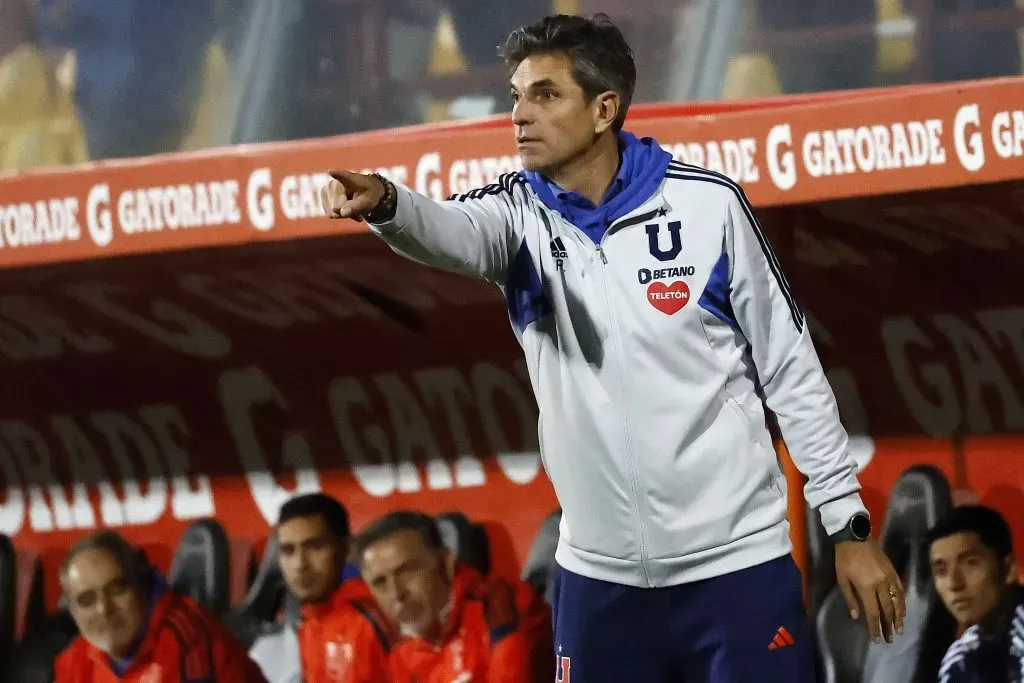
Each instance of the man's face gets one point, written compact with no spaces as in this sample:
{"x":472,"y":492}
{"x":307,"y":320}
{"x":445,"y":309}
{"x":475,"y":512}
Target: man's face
{"x":410,"y":583}
{"x":102,"y":601}
{"x":311,"y":558}
{"x":554,"y":121}
{"x":969,"y":577}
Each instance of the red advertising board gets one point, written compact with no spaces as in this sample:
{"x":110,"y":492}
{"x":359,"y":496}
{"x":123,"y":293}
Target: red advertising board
{"x":784,"y":151}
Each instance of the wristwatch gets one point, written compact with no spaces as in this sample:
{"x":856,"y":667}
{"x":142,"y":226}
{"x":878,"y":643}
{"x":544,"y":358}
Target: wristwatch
{"x":857,"y":529}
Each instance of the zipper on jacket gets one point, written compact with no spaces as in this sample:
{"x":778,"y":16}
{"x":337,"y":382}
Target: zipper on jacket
{"x":630,"y":221}
{"x":634,"y":472}
{"x":631,"y":462}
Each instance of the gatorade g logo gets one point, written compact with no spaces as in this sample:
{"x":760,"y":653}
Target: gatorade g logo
{"x":654,"y":241}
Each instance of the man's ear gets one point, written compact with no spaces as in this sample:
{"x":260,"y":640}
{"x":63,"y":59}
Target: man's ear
{"x":1012,"y":570}
{"x":607,"y":106}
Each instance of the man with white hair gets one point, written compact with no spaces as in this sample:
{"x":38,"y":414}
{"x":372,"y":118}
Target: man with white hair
{"x":134,"y":628}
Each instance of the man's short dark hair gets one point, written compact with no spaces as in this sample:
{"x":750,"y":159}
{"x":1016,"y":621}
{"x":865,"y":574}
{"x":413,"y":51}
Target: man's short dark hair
{"x":601,"y":58}
{"x":327,"y":508}
{"x":130,"y":559}
{"x":397,"y":522}
{"x":990,"y":526}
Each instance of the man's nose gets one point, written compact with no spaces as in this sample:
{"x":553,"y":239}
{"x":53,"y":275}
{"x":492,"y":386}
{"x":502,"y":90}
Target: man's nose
{"x":399,"y":590}
{"x":103,"y":606}
{"x":522,"y":113}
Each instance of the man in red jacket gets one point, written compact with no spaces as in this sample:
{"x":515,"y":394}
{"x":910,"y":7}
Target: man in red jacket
{"x":454,"y":624}
{"x":341,"y":637}
{"x":133,"y":628}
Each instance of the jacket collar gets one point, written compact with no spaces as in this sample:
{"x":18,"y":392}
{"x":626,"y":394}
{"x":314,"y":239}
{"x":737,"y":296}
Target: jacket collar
{"x":997,"y":623}
{"x":641,"y":174}
{"x":465,"y":586}
{"x":348,"y":590}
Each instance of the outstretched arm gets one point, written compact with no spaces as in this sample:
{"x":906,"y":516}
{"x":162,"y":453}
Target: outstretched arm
{"x":474,"y":234}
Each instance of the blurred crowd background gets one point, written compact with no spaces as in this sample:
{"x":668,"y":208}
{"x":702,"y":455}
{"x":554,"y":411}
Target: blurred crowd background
{"x":95,"y":79}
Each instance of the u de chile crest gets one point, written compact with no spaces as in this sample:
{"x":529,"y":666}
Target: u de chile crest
{"x":669,"y":298}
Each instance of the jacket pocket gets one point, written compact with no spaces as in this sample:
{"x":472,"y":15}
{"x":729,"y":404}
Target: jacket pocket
{"x":767,"y":457}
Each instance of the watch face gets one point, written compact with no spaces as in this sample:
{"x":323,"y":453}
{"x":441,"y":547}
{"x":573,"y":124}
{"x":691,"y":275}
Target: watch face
{"x":860,"y":527}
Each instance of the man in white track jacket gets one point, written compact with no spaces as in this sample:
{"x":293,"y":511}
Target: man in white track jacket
{"x":655,"y":321}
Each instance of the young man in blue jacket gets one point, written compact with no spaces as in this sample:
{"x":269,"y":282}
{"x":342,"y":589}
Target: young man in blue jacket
{"x":976,"y":575}
{"x":653,"y":315}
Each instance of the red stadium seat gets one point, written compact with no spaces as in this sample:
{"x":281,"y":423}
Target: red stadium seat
{"x":468,"y":541}
{"x":894,"y":456}
{"x":201,"y":566}
{"x":263,"y":601}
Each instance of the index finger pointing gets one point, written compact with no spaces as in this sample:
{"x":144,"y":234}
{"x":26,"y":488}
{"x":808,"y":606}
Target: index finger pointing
{"x":343,"y":177}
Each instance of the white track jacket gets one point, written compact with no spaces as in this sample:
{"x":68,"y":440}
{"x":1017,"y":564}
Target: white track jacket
{"x":652,"y":341}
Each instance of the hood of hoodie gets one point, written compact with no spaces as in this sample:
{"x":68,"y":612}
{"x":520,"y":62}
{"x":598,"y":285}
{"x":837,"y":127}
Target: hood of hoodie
{"x":642,"y":168}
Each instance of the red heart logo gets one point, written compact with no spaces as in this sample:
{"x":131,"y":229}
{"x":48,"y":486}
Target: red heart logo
{"x":668,"y":299}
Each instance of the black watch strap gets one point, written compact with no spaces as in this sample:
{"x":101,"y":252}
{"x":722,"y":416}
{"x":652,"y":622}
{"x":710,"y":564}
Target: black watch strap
{"x":857,"y":529}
